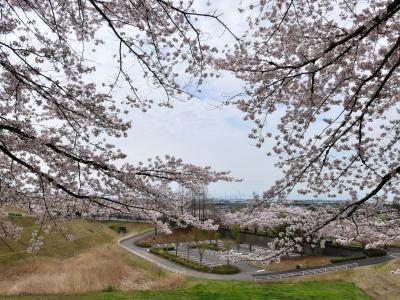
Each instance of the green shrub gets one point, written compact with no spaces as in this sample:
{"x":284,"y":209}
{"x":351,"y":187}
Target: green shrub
{"x":108,"y":289}
{"x":373,"y":252}
{"x":213,"y":246}
{"x":122,"y":229}
{"x":235,"y":232}
{"x":14,"y":214}
{"x":347,"y":258}
{"x":347,"y":247}
{"x":167,"y":248}
{"x":223,"y":269}
{"x":180,"y":260}
{"x":143,"y":244}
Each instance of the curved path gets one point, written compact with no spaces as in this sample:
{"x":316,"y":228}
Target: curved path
{"x":128,"y":243}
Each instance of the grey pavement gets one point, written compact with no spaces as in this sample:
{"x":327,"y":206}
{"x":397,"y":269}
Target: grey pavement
{"x":128,"y":243}
{"x":210,"y":258}
{"x":360,"y":262}
{"x":246,"y":271}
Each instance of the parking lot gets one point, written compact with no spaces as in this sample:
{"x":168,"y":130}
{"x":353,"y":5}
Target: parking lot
{"x":210,"y":257}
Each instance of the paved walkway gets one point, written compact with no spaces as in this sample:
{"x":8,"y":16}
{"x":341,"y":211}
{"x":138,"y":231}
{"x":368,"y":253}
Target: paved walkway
{"x":246,"y":273}
{"x":128,"y":243}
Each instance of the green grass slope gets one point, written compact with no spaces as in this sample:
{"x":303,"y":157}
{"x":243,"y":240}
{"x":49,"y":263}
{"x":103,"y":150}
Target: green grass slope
{"x":86,"y":234}
{"x":225,"y":290}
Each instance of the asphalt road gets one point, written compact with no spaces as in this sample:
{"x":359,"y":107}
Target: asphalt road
{"x":128,"y":243}
{"x":246,"y":270}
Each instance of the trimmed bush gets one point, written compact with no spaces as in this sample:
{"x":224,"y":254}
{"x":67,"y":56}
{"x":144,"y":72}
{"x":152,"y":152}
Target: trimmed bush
{"x":167,"y":248}
{"x":347,"y":258}
{"x":108,"y":289}
{"x":223,"y":269}
{"x":214,"y":247}
{"x":143,"y":244}
{"x":347,"y":247}
{"x":373,"y":252}
{"x":14,"y":214}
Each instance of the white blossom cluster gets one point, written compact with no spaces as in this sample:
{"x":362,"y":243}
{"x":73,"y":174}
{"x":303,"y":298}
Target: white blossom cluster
{"x":396,"y":272}
{"x":299,"y":227}
{"x":328,"y":71}
{"x":36,"y":242}
{"x":322,"y":80}
{"x":56,"y":117}
{"x":9,"y":230}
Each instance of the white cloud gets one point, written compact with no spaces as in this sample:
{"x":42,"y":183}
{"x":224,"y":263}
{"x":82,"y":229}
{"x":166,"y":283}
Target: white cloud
{"x":204,"y":136}
{"x":195,"y":131}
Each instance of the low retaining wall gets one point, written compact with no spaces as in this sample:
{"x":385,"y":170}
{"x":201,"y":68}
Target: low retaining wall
{"x":258,"y":240}
{"x":263,"y":240}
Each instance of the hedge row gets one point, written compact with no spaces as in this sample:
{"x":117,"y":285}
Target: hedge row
{"x":225,"y":269}
{"x":14,"y":214}
{"x":214,"y":247}
{"x":170,"y":248}
{"x":222,"y":269}
{"x":347,"y":247}
{"x":373,"y":252}
{"x":143,"y":244}
{"x":347,"y":258}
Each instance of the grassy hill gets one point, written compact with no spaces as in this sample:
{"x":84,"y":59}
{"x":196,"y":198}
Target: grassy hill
{"x":93,"y":266}
{"x":91,"y":261}
{"x":85,"y":235}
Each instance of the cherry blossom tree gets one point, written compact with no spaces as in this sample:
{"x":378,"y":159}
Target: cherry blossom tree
{"x":328,"y":71}
{"x":56,"y":118}
{"x":303,"y":228}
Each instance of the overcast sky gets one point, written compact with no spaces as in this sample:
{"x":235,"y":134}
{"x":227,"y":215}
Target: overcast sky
{"x":201,"y":134}
{"x":197,"y":131}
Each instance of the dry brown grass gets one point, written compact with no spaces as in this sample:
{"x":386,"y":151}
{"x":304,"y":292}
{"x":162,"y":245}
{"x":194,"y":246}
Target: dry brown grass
{"x":90,"y":263}
{"x":173,"y":281}
{"x":376,"y":280}
{"x":291,"y":263}
{"x":90,"y":271}
{"x":86,"y":235}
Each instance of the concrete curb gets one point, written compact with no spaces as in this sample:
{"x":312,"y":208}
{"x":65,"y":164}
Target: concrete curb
{"x":149,"y":259}
{"x":239,"y":276}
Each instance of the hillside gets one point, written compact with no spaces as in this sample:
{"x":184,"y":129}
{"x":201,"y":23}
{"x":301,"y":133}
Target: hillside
{"x":92,"y":261}
{"x":85,"y":235}
{"x":93,"y":266}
